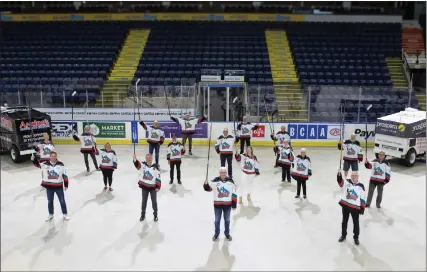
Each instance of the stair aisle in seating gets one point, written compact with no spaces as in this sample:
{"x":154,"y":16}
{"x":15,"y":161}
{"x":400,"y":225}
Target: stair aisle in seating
{"x":397,"y":75}
{"x":287,"y":89}
{"x":123,"y":71}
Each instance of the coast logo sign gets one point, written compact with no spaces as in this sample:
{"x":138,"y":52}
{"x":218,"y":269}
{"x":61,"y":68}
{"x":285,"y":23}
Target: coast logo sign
{"x":108,"y":130}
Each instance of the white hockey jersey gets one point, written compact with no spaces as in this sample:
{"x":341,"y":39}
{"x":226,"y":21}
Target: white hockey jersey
{"x":351,"y":151}
{"x":53,"y":175}
{"x":156,"y":135}
{"x":301,"y":168}
{"x":286,"y":156}
{"x":280,"y":137}
{"x":188,"y":126}
{"x":225,"y":145}
{"x":149,"y":176}
{"x":380,"y":171}
{"x":224,"y":192}
{"x":249,"y":165}
{"x":353,"y":195}
{"x":44,"y":150}
{"x":108,"y":159}
{"x":175,"y":152}
{"x":87,"y":142}
{"x":245,"y":130}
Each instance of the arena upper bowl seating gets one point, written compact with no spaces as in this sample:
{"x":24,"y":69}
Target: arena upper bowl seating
{"x":79,"y":55}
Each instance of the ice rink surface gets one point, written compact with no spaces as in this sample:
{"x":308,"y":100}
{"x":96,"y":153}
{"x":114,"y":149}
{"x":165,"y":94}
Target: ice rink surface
{"x":277,"y":232}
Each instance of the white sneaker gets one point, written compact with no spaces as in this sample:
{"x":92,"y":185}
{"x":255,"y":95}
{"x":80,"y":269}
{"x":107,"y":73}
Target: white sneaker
{"x":66,"y":217}
{"x":49,"y":218}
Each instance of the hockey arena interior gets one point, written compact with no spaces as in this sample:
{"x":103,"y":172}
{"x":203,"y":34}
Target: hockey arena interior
{"x":213,"y":135}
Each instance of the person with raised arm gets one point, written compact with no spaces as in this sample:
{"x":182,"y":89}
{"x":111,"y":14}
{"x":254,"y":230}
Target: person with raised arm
{"x":245,"y":129}
{"x":380,"y":176}
{"x":156,"y":137}
{"x":250,"y":169}
{"x":188,"y":128}
{"x":279,"y":139}
{"x":224,"y":147}
{"x":87,"y":146}
{"x":285,"y":160}
{"x":44,"y":149}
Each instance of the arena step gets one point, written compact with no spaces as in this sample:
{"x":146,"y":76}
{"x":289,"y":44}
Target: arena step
{"x":397,"y":74}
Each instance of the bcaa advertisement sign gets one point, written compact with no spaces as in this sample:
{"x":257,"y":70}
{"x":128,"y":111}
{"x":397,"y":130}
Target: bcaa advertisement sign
{"x":259,"y":132}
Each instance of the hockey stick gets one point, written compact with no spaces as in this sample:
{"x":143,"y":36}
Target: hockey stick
{"x":31,"y":122}
{"x":85,"y":106}
{"x":72,"y":109}
{"x":167,"y":101}
{"x":234,"y":120}
{"x":209,"y":151}
{"x":366,"y":129}
{"x":135,"y":98}
{"x":342,"y":130}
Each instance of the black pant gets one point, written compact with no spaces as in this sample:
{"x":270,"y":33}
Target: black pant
{"x":242,"y":144}
{"x":277,"y":158}
{"x":188,"y":136}
{"x":108,"y":176}
{"x":178,"y":170}
{"x":286,"y":174}
{"x":301,"y":182}
{"x":153,"y":195}
{"x":355,"y":216}
{"x":229,"y":159}
{"x":87,"y":161}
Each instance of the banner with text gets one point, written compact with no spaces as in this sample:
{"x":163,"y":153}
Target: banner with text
{"x":63,"y":129}
{"x":170,"y":128}
{"x":108,"y":130}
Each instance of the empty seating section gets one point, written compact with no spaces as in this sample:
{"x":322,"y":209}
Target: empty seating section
{"x":344,"y":53}
{"x":54,"y":57}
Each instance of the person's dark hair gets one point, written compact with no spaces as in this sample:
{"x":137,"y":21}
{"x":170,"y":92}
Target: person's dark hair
{"x":53,"y":152}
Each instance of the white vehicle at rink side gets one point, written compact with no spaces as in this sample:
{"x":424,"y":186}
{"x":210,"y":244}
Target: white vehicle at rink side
{"x":402,"y":135}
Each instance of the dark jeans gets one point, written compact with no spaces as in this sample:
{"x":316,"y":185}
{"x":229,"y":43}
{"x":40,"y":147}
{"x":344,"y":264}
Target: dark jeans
{"x":50,"y":196}
{"x":372,"y":186}
{"x":178,"y":170}
{"x":108,"y":176}
{"x":188,"y":136}
{"x":152,"y":148}
{"x":242,"y":144}
{"x":277,"y":158}
{"x":229,"y":159}
{"x":153,"y":195}
{"x":355,"y":216}
{"x":286,"y":174}
{"x":301,"y":182}
{"x":218,"y":213}
{"x":87,"y":161}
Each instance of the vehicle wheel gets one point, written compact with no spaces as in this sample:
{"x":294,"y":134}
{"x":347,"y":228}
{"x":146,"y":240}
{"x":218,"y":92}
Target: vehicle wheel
{"x":14,"y":154}
{"x":411,"y":158}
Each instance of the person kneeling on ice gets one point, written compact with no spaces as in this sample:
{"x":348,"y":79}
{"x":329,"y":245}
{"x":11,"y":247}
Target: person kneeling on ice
{"x":250,"y":169}
{"x":54,"y":179}
{"x":301,"y":171}
{"x":44,"y":149}
{"x":87,"y":146}
{"x":285,"y":159}
{"x":352,"y":202}
{"x":174,"y":153}
{"x":380,"y":176}
{"x":108,"y":164}
{"x":225,"y":199}
{"x":352,"y":154}
{"x":149,"y":182}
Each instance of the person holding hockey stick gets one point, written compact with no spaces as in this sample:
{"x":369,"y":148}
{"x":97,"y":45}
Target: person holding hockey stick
{"x":87,"y":146}
{"x":225,"y":199}
{"x":285,"y":159}
{"x":380,"y":176}
{"x":149,"y":182}
{"x":352,"y":203}
{"x":44,"y":149}
{"x":352,"y":154}
{"x":245,"y":129}
{"x":279,"y":139}
{"x":55,"y":181}
{"x":108,"y":164}
{"x":188,"y":127}
{"x":301,"y":172}
{"x":224,"y":147}
{"x":156,"y":137}
{"x":174,"y":153}
{"x":250,"y":169}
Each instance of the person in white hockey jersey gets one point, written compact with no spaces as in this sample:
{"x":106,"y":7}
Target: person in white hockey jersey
{"x":55,"y":181}
{"x":87,"y":146}
{"x":188,"y":128}
{"x":285,"y":160}
{"x":44,"y":149}
{"x":245,"y":129}
{"x":224,"y":147}
{"x":301,"y":172}
{"x":352,"y":154}
{"x":108,"y":165}
{"x":353,"y":203}
{"x":150,"y":183}
{"x":225,"y":199}
{"x":250,"y":169}
{"x":156,"y":137}
{"x":174,"y":154}
{"x":380,"y":176}
{"x":279,"y":139}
